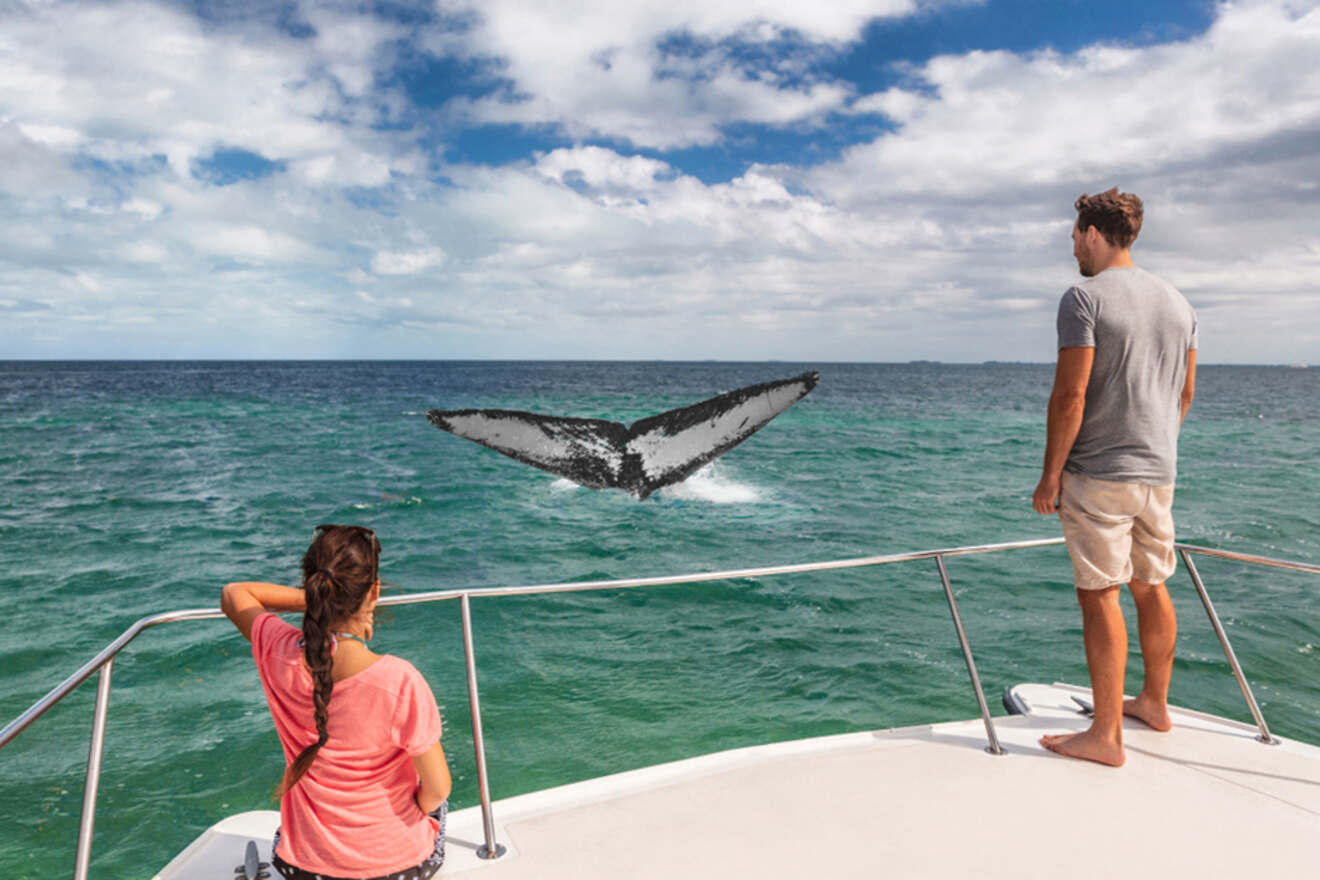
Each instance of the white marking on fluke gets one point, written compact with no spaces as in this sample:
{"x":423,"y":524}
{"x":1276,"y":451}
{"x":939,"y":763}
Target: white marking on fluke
{"x":639,"y":458}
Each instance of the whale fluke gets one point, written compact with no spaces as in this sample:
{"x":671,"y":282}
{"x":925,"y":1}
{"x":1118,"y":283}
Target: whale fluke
{"x":639,"y":458}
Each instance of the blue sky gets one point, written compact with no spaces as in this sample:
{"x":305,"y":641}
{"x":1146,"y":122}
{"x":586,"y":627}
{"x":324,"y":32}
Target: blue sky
{"x":737,"y":179}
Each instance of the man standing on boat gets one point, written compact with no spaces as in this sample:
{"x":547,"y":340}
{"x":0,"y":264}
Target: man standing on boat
{"x":1125,"y":377}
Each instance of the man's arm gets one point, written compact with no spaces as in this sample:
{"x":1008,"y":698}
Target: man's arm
{"x":243,"y":602}
{"x":1063,"y":421}
{"x":1189,"y":385}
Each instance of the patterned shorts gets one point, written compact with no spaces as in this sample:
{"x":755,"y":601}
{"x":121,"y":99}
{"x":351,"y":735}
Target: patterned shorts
{"x":422,"y":871}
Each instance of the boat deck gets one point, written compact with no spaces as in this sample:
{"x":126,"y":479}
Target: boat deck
{"x":1206,"y":800}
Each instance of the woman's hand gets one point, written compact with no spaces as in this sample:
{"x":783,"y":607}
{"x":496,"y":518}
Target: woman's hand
{"x":245,"y":601}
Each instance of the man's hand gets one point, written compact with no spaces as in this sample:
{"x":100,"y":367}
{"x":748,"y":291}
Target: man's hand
{"x":1046,"y":497}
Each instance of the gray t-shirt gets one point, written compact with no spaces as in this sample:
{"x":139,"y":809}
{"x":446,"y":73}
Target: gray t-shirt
{"x":1141,"y":328}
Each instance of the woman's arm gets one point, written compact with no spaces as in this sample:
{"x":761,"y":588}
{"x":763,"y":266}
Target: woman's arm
{"x":243,"y":602}
{"x":434,"y":771}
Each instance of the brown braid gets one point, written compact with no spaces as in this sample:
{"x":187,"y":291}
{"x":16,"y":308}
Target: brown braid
{"x":339,"y":570}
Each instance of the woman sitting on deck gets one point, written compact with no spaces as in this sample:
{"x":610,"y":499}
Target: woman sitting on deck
{"x":365,"y":788}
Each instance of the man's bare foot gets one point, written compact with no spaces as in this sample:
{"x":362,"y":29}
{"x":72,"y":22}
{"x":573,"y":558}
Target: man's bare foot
{"x":1155,"y":715}
{"x":1086,"y":745}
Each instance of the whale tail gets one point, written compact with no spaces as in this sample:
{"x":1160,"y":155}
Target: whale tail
{"x":639,"y":458}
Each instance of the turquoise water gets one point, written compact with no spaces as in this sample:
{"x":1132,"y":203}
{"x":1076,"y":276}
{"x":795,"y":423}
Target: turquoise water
{"x":135,"y":488}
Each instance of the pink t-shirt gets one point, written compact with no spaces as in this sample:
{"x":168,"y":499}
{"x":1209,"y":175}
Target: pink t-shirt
{"x":353,"y":813}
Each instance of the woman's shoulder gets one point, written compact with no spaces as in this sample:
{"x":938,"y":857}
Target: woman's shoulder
{"x":395,"y":667}
{"x":272,"y":637}
{"x":397,"y":677}
{"x":414,"y":713}
{"x":270,"y":625}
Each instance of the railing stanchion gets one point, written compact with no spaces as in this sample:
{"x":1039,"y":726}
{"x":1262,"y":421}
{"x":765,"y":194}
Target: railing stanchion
{"x":490,"y":849}
{"x":1265,"y":735}
{"x":994,"y":748}
{"x":95,"y":748}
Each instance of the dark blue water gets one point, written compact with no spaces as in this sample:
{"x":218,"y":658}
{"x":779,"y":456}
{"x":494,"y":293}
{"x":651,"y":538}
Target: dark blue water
{"x":135,"y":488}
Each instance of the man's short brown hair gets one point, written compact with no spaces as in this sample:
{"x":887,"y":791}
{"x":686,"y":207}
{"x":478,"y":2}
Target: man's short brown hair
{"x":1115,"y":215}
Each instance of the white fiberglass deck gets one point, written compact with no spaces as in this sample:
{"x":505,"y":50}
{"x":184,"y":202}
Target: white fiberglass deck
{"x":1204,"y":800}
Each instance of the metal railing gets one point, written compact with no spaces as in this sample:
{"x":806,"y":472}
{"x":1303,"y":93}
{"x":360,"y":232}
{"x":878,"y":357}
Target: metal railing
{"x":104,"y":659}
{"x":1185,"y":550}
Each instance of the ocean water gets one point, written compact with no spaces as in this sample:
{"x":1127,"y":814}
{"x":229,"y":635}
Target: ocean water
{"x":135,"y":488}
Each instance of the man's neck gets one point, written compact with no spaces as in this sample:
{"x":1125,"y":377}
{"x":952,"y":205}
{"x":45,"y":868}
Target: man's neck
{"x":1116,"y":259}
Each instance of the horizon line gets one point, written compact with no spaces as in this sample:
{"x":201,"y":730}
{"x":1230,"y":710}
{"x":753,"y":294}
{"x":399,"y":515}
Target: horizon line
{"x":369,"y":360}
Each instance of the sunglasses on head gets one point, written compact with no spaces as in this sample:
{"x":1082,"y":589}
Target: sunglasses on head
{"x":357,"y":530}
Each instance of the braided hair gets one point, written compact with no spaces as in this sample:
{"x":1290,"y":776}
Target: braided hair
{"x":339,"y":570}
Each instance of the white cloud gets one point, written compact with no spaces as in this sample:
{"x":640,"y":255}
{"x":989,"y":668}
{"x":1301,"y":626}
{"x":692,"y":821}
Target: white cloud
{"x":144,"y":252}
{"x":123,"y":82}
{"x":946,"y":237}
{"x":59,"y":136}
{"x":994,"y":120}
{"x":406,"y":262}
{"x":598,"y":167}
{"x":87,"y":282}
{"x":597,"y":69}
{"x":251,"y":243}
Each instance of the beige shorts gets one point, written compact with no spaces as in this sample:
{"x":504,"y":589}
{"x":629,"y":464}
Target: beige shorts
{"x":1116,"y":531}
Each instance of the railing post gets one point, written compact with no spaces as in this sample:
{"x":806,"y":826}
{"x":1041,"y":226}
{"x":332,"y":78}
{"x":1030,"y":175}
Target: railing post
{"x":1265,"y":735}
{"x":83,"y":856}
{"x":490,"y":849}
{"x":994,"y":748}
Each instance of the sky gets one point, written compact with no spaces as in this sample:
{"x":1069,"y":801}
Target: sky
{"x":853,"y":180}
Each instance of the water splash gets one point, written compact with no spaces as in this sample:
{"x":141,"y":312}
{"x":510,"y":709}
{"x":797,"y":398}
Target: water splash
{"x":709,"y":484}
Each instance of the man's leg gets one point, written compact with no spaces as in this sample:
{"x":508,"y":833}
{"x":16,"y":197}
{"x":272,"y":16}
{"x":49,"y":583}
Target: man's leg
{"x":1105,"y":637}
{"x":1157,"y":625}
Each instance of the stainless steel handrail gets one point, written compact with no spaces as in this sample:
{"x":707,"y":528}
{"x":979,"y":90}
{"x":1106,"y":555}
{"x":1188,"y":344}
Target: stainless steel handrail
{"x":729,"y":575}
{"x":1185,"y":550}
{"x":92,"y":781}
{"x":994,"y":748}
{"x":490,"y":849}
{"x":106,"y":654}
{"x":39,"y":708}
{"x":104,"y":659}
{"x":1265,"y":735}
{"x":1247,"y":557}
